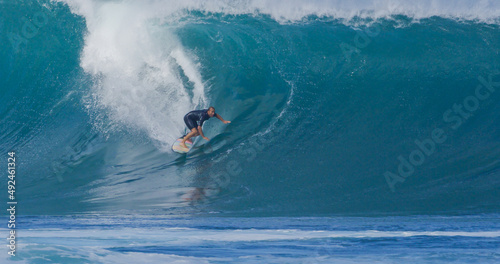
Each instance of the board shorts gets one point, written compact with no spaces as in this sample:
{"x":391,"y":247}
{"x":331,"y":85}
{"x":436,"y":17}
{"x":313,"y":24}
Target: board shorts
{"x":190,"y":123}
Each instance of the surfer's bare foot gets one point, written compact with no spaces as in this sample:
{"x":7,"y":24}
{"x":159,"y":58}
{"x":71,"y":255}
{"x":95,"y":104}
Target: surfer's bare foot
{"x":183,"y":145}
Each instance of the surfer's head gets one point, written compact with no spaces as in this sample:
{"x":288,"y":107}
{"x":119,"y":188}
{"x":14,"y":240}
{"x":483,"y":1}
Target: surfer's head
{"x":211,"y":111}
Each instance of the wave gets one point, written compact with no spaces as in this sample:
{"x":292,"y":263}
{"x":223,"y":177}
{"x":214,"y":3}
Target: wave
{"x":297,"y":10}
{"x":238,"y":235}
{"x":119,"y":238}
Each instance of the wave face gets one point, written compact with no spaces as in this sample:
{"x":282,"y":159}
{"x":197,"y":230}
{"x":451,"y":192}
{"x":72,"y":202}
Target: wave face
{"x":337,"y":107}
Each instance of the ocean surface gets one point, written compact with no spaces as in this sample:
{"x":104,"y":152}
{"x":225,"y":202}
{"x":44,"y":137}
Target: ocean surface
{"x":361,"y":131}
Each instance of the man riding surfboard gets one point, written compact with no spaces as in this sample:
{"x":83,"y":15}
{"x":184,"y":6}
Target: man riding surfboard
{"x":194,"y":121}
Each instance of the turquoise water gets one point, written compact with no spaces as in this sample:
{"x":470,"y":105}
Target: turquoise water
{"x":338,"y":109}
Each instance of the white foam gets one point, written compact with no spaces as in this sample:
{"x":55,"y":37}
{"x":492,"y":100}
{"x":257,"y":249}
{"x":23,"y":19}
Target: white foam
{"x":172,"y":235}
{"x":294,"y":10}
{"x":192,"y":73}
{"x":95,"y":244}
{"x":139,"y":66}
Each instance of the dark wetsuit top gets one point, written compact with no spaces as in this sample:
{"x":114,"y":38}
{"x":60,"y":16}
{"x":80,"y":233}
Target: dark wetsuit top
{"x":196,"y":118}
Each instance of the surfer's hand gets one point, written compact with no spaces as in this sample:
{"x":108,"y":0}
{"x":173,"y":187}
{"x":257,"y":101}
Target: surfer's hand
{"x":205,"y":138}
{"x":227,"y":122}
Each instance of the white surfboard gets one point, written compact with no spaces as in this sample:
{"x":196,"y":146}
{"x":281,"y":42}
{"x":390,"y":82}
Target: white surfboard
{"x":176,"y":147}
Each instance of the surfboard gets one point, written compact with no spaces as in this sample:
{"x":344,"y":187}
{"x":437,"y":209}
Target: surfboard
{"x":176,"y":147}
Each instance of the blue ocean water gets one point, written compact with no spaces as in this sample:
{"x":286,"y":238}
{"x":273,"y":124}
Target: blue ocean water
{"x":146,"y":239}
{"x":362,"y":131}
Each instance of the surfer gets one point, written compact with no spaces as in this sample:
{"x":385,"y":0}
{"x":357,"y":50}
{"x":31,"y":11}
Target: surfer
{"x":194,"y":121}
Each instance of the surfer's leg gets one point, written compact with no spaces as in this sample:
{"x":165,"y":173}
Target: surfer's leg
{"x":193,"y":132}
{"x":191,"y":124}
{"x":193,"y":136}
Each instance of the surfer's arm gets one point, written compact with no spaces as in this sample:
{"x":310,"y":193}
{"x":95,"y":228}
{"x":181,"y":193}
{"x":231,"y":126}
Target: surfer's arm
{"x":222,"y":119}
{"x":201,"y":133}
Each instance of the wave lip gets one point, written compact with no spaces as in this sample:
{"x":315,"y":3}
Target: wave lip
{"x":289,"y":11}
